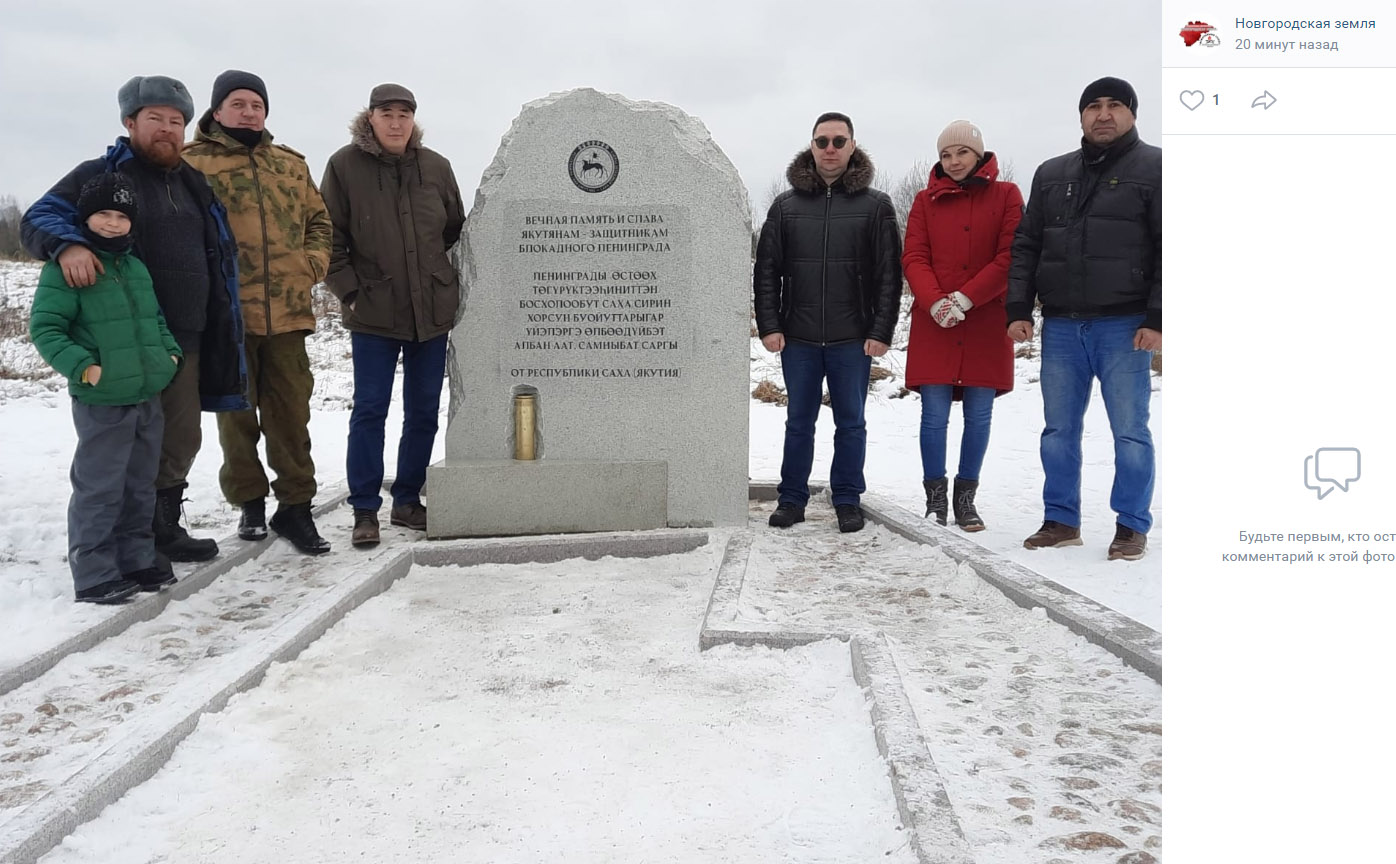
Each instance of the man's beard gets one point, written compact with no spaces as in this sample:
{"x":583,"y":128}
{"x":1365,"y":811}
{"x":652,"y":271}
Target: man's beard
{"x":165,"y":157}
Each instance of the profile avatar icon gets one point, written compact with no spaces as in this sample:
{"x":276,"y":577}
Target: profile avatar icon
{"x":1195,"y":32}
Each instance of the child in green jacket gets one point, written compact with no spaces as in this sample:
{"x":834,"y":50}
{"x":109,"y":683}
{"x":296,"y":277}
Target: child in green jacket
{"x":111,"y":343}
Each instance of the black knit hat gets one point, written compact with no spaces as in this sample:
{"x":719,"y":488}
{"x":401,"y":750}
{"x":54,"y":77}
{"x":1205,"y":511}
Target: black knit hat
{"x":1115,"y":88}
{"x":234,"y":79}
{"x":107,"y":191}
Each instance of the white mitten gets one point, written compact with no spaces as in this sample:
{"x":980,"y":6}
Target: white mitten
{"x":963,"y":303}
{"x":945,"y":313}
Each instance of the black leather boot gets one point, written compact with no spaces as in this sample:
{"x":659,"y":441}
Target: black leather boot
{"x":296,"y":523}
{"x":936,"y":500}
{"x":253,"y":524}
{"x":965,"y":515}
{"x":171,"y":540}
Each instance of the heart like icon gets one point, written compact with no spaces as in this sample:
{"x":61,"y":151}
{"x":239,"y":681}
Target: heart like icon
{"x":1191,"y":99}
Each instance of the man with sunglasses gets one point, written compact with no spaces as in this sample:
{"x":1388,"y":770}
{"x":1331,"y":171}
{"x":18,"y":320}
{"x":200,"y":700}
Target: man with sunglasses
{"x":827,"y":281}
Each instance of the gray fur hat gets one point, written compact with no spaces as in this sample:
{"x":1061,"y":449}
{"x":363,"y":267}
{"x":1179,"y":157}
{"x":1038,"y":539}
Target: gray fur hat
{"x":146,"y":90}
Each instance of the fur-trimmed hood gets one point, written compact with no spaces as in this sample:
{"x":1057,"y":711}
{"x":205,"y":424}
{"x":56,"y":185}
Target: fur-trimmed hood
{"x":362,"y":137}
{"x":804,"y":177}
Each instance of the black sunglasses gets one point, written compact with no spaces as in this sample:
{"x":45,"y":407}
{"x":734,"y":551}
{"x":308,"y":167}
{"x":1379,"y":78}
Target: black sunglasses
{"x":823,"y":141}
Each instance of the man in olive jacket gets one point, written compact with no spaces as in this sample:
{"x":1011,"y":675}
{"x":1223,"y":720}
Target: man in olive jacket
{"x":1090,"y":249}
{"x":828,"y":280}
{"x":396,"y":211}
{"x":283,"y":234}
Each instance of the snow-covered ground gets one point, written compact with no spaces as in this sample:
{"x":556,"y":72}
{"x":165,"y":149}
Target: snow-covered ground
{"x":524,"y":713}
{"x":562,"y":712}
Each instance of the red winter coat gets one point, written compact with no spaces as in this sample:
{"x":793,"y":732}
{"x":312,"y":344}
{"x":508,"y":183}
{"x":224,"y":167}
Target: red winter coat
{"x":959,"y":238}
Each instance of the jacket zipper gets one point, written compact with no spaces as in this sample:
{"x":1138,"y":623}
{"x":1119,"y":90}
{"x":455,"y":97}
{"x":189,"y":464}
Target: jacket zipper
{"x":135,"y":326}
{"x":824,"y":273}
{"x":266,"y":252}
{"x":170,"y":194}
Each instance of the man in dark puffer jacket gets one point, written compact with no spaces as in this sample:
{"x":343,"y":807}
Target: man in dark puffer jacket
{"x":828,"y":279}
{"x":1090,"y":249}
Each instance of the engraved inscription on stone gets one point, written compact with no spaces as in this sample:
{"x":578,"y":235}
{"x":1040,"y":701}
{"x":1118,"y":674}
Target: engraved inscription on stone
{"x":593,"y":292}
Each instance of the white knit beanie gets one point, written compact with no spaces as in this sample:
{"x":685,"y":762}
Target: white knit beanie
{"x":961,"y":132}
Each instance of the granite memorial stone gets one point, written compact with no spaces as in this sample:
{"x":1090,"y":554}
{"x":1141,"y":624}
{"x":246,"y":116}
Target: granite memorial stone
{"x":606,"y":273}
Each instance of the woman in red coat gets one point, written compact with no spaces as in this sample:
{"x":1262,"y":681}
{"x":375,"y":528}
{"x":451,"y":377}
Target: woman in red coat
{"x":958,"y":240}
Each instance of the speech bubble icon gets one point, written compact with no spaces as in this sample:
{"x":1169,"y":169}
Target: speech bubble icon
{"x":1311,"y":482}
{"x":1338,"y":465}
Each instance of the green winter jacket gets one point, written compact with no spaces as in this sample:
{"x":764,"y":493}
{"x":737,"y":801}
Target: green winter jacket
{"x":115,"y":324}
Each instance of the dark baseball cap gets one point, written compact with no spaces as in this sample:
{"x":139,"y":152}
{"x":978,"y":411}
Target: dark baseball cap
{"x":383,"y":94}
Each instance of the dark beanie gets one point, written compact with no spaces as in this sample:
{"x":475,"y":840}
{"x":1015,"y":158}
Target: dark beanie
{"x":234,"y":79}
{"x":1115,"y":88}
{"x":107,"y":191}
{"x":146,"y":90}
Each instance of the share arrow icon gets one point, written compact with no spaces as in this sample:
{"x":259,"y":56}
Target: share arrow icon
{"x":1265,"y":100}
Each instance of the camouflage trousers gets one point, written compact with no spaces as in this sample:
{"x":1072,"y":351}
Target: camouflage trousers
{"x":279,"y":384}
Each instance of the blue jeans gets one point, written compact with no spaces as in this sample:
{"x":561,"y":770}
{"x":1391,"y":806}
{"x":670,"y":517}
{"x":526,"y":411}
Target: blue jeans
{"x":978,"y":405}
{"x":423,"y":371}
{"x":847,"y":368}
{"x":1074,"y":350}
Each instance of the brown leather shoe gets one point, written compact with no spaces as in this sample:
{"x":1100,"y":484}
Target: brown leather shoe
{"x":1128,"y":544}
{"x":412,"y":516}
{"x":1053,"y":535}
{"x":365,"y":528}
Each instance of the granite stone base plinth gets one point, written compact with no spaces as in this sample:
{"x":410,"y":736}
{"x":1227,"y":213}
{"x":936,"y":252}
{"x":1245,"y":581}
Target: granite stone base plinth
{"x":505,"y":497}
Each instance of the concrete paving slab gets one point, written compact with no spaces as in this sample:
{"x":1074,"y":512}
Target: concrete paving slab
{"x":1136,"y":644}
{"x":143,"y":607}
{"x":925,"y":807}
{"x":140,"y":751}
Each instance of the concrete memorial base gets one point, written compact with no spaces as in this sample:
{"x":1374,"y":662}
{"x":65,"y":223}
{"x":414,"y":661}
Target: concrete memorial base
{"x":507,"y":497}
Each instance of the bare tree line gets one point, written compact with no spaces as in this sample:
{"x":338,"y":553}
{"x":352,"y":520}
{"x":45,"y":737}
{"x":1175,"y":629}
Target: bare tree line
{"x":10,"y":214}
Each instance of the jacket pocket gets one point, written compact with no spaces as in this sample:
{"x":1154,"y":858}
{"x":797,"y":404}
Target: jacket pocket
{"x":1058,"y":202}
{"x":316,"y":277}
{"x":159,"y":370}
{"x":373,"y":307}
{"x":445,"y":299}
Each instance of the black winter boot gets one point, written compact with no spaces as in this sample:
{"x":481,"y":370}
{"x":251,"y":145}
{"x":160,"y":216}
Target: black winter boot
{"x":253,"y":524}
{"x":153,"y":578}
{"x":295,"y":523}
{"x":936,"y":500}
{"x":171,"y":540}
{"x":965,"y":515}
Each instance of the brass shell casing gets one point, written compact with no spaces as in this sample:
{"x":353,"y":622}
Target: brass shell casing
{"x":525,"y":426}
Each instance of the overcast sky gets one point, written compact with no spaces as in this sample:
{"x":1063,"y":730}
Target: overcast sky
{"x":755,"y":72}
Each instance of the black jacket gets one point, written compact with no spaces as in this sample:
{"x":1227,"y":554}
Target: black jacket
{"x":1091,"y":241}
{"x":828,"y":264}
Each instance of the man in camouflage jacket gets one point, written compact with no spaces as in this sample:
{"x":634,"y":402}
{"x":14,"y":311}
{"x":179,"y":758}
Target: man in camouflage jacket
{"x":283,"y":233}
